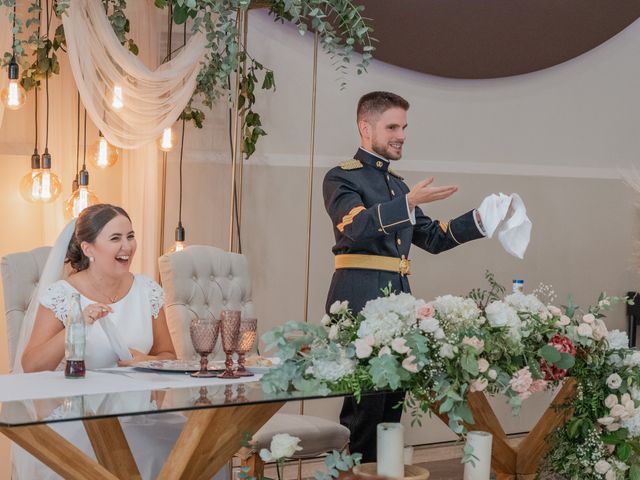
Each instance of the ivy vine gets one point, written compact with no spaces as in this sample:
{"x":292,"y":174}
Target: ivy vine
{"x":339,"y":23}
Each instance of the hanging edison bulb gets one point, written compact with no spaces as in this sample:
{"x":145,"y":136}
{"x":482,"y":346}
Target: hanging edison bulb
{"x":30,"y":183}
{"x":116,"y":101}
{"x":81,"y":198}
{"x":13,"y":95}
{"x":50,"y":186}
{"x":180,"y":243}
{"x":167,"y":141}
{"x":102,"y":154}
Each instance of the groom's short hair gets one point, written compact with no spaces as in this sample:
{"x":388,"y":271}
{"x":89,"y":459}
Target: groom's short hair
{"x":374,"y":104}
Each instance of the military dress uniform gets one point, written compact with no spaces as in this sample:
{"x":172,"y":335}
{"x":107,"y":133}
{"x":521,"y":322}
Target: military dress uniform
{"x":374,"y":230}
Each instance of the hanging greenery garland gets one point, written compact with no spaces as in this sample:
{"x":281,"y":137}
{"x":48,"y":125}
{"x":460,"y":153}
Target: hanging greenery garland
{"x":339,"y":24}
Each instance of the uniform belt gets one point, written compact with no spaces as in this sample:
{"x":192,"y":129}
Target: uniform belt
{"x":374,"y":262}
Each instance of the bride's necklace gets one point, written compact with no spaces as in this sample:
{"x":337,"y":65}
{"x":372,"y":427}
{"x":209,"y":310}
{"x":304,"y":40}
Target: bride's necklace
{"x":111,"y":298}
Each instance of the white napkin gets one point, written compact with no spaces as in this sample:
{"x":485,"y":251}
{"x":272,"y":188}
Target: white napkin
{"x":116,"y":341}
{"x":513,"y":226}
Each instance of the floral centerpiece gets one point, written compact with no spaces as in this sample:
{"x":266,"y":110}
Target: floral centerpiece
{"x":514,"y":345}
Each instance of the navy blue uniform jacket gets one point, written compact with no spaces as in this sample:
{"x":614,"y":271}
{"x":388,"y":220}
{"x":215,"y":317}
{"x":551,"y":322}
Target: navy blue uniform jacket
{"x":367,"y":205}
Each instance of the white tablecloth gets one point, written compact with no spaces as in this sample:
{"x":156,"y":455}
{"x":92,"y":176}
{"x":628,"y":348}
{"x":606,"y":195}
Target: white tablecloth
{"x":32,"y":386}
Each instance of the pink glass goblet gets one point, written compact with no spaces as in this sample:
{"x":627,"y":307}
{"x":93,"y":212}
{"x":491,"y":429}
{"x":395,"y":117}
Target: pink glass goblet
{"x":204,"y":333}
{"x":246,"y":339}
{"x":229,"y":330}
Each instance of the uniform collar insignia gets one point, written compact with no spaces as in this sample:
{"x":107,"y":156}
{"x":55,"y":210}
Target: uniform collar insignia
{"x":371,"y":160}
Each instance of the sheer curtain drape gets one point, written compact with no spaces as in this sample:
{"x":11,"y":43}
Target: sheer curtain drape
{"x":5,"y":46}
{"x":152,"y":98}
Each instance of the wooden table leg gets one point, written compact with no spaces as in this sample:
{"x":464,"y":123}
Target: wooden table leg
{"x":53,"y":450}
{"x":111,"y":447}
{"x":211,"y":436}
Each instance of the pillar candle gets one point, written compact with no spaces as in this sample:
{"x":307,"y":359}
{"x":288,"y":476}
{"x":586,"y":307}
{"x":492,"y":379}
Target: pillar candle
{"x":481,"y":443}
{"x":391,"y":450}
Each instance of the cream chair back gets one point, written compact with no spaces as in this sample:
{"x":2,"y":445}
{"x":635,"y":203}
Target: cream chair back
{"x":20,"y":276}
{"x":202,"y":280}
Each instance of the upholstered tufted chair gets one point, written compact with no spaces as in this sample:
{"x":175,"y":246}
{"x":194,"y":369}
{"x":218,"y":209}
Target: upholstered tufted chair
{"x":201,"y":279}
{"x":20,"y":276}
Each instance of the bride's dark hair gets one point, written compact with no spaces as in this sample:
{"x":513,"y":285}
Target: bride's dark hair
{"x":89,"y":224}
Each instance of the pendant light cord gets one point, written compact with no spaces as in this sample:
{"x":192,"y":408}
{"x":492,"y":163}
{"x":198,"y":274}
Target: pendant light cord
{"x":13,"y":44}
{"x":78,"y":137}
{"x":180,"y":170}
{"x":46,"y":84}
{"x":84,"y":137}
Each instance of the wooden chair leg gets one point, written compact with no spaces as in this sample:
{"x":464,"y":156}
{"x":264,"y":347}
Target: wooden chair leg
{"x":255,"y":465}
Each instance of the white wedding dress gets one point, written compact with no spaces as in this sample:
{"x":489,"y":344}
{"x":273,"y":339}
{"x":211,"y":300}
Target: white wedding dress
{"x":150,"y":437}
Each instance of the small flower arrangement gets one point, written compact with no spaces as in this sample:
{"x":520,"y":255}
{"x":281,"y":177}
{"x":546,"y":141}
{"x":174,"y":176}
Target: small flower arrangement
{"x":439,"y":351}
{"x":283,"y":446}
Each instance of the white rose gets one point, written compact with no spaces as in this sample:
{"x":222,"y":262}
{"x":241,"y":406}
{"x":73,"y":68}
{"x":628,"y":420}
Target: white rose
{"x":338,"y":307}
{"x":632,"y":360}
{"x":474,"y":342}
{"x":364,"y":346}
{"x":618,"y":411}
{"x":478,"y":385}
{"x":447,"y":351}
{"x":384,"y":351}
{"x":588,"y":318}
{"x":483,"y":365}
{"x":611,"y":475}
{"x":429,"y":325}
{"x":611,"y":400}
{"x":266,"y":456}
{"x":618,"y":339}
{"x":606,"y":420}
{"x":625,"y":398}
{"x":585,"y":330}
{"x":410,"y":364}
{"x":602,"y":466}
{"x":613,"y":427}
{"x":614,"y":381}
{"x":439,"y":334}
{"x":555,"y":311}
{"x":326,"y":320}
{"x":492,"y":374}
{"x":284,"y":445}
{"x":333,"y":332}
{"x":563,"y":322}
{"x":399,"y":344}
{"x":347,"y":323}
{"x":600,"y":330}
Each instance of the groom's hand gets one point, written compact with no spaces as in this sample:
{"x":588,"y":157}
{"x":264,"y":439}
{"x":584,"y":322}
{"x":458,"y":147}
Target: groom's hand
{"x":424,"y":192}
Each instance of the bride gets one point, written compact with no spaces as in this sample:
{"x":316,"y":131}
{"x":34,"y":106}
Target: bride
{"x":99,"y":249}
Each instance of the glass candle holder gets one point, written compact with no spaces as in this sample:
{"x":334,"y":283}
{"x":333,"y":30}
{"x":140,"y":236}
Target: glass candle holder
{"x":229,"y":330}
{"x":246,"y":339}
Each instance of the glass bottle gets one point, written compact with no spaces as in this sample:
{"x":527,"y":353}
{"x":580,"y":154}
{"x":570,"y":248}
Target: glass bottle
{"x":75,"y":339}
{"x":518,"y":286}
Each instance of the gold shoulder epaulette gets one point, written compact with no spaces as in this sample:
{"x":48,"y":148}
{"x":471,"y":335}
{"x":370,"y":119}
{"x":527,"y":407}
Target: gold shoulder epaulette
{"x":351,"y":165}
{"x":395,"y":174}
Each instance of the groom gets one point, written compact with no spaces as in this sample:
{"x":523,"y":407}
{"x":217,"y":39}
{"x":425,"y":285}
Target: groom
{"x":376,"y":217}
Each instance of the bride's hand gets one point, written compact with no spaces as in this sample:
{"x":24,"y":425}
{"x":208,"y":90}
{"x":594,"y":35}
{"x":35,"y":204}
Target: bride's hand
{"x":95,"y":312}
{"x":137,"y":357}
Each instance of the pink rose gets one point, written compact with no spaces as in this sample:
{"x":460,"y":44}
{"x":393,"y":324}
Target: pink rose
{"x":521,"y":381}
{"x":538,"y":386}
{"x":474,"y":342}
{"x":410,"y":364}
{"x":426,"y":311}
{"x":478,"y":385}
{"x":588,"y":318}
{"x":483,"y":365}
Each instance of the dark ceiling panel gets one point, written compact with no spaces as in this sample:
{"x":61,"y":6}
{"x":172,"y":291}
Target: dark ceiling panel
{"x":492,"y":38}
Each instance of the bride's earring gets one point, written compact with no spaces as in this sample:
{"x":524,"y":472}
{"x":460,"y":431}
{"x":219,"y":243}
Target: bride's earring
{"x":91,"y":259}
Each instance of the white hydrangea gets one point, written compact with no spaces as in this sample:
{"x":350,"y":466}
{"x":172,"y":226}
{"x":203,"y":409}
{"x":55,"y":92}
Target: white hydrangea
{"x":632,"y":359}
{"x":456,"y":309}
{"x":386,"y":318}
{"x":500,"y":314}
{"x":618,"y":339}
{"x":525,"y":303}
{"x":332,"y":370}
{"x":633,"y":424}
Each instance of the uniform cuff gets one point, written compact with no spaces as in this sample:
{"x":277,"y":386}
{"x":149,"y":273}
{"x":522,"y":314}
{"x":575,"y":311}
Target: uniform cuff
{"x":464,"y":228}
{"x":393,"y":215}
{"x":411,"y":211}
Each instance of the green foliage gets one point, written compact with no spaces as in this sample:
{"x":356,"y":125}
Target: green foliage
{"x":483,"y":297}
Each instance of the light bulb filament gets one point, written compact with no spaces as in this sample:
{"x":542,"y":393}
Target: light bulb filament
{"x":167,"y":141}
{"x":13,"y":97}
{"x":103,"y":160}
{"x":45,"y":191}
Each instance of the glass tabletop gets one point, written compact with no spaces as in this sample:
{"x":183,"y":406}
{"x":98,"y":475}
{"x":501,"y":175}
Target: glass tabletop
{"x":15,"y":413}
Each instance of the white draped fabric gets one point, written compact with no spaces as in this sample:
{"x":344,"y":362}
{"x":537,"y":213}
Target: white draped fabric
{"x":5,"y":46}
{"x":151,"y":100}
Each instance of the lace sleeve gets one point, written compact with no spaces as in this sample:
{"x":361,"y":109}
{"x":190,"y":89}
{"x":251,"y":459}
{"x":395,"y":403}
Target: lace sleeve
{"x":155,"y":295}
{"x":56,"y":299}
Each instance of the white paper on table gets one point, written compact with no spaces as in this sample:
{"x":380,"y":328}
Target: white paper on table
{"x":116,"y":341}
